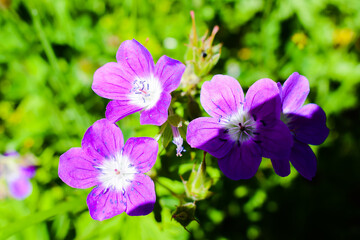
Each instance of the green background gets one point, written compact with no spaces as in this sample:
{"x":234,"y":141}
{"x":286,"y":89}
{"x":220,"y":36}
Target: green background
{"x":49,"y":51}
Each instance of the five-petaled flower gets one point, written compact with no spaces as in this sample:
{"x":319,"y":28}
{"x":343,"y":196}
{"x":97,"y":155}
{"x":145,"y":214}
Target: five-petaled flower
{"x":241,"y":130}
{"x":117,"y":171}
{"x":135,"y":84}
{"x":306,"y":123}
{"x":17,"y":171}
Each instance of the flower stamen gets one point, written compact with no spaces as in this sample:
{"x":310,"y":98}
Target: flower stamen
{"x":239,"y":126}
{"x":145,"y":92}
{"x":117,"y":172}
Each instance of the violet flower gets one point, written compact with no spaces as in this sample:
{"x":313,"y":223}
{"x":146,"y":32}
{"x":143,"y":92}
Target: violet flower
{"x":241,"y":130}
{"x":177,"y":140}
{"x":117,"y":171}
{"x":306,"y":123}
{"x":17,"y":171}
{"x":135,"y":84}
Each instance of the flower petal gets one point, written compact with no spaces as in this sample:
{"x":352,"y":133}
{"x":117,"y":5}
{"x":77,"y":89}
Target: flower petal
{"x":308,"y":124}
{"x":263,"y":100}
{"x":135,"y":59}
{"x":303,"y":159}
{"x":118,"y":109}
{"x":158,"y":114}
{"x":11,"y":154}
{"x":112,"y":81}
{"x":242,"y":162}
{"x":20,"y":188}
{"x":281,"y":166}
{"x":207,"y":134}
{"x":221,"y":96}
{"x":140,"y":196}
{"x":275,"y":139}
{"x":169,"y":72}
{"x":77,"y":169}
{"x":28,"y":171}
{"x":102,"y":139}
{"x":294,"y":92}
{"x":105,"y":203}
{"x":142,"y":152}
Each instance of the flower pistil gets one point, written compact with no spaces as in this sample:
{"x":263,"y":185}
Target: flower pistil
{"x":117,"y":172}
{"x":145,"y":92}
{"x":240,"y":126}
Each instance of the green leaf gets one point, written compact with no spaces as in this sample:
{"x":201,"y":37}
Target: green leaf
{"x":166,"y":136}
{"x":194,"y":109}
{"x":35,"y":218}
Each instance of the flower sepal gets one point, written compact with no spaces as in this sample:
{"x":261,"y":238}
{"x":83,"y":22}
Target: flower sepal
{"x":201,"y":56}
{"x":198,"y":185}
{"x":185,"y":214}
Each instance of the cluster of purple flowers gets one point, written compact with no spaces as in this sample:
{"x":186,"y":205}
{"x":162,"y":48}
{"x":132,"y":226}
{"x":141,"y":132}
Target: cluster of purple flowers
{"x":134,"y":84}
{"x":269,"y":122}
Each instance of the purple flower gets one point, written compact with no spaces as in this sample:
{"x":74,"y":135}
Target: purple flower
{"x":177,"y":140}
{"x":17,"y":171}
{"x":135,"y":84}
{"x":306,"y":123}
{"x":117,"y":171}
{"x":241,"y":130}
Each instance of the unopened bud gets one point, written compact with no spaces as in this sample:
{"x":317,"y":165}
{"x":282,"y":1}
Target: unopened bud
{"x":198,"y":185}
{"x":201,"y":55}
{"x":185,"y":214}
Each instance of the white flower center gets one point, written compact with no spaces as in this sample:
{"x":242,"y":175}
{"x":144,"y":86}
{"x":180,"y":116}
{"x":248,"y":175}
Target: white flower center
{"x":117,"y":172}
{"x":239,"y":126}
{"x":145,"y":92}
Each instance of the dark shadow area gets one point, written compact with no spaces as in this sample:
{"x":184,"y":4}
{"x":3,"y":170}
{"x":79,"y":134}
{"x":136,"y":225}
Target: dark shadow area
{"x":328,"y":206}
{"x":142,"y":209}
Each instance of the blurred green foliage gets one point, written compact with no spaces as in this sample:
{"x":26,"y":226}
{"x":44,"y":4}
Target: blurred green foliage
{"x":49,"y":51}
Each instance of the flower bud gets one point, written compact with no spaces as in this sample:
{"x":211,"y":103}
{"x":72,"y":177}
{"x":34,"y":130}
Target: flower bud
{"x":201,"y":56}
{"x":198,"y":185}
{"x":185,"y":214}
